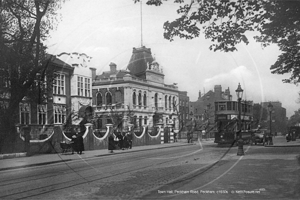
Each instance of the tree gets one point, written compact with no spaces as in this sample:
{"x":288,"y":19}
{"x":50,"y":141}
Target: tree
{"x":225,"y":23}
{"x":23,"y":59}
{"x":294,"y":119}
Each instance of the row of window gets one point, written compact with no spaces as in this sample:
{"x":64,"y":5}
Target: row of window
{"x":83,"y":85}
{"x":137,"y":99}
{"x":232,"y":105}
{"x":137,"y":121}
{"x":59,"y":114}
{"x":107,"y":98}
{"x":169,"y":101}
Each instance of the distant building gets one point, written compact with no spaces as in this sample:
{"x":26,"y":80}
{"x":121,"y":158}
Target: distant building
{"x":184,"y":114}
{"x":278,"y":123}
{"x":202,"y":110}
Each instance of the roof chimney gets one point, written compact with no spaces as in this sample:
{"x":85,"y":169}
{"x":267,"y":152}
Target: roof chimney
{"x":113,"y":67}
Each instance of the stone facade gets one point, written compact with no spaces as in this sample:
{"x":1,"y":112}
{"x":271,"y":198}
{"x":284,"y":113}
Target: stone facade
{"x":139,"y":93}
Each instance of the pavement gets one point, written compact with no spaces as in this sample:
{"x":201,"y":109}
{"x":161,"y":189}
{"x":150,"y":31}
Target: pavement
{"x":20,"y":160}
{"x":280,"y":141}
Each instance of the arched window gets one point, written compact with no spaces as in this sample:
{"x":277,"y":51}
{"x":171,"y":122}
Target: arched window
{"x":174,"y":104}
{"x":108,"y":98}
{"x":118,"y":96}
{"x":134,"y":98}
{"x":166,"y":102}
{"x":145,"y":100}
{"x":140,"y":100}
{"x":140,"y":121}
{"x":156,"y":101}
{"x":99,"y":99}
{"x":134,"y":121}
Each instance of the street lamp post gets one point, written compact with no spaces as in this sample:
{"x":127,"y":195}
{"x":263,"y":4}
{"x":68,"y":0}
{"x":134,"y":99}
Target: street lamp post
{"x":270,"y":108}
{"x":207,"y":116}
{"x":239,"y":93}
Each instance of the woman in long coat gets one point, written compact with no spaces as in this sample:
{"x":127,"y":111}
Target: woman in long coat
{"x":80,"y":145}
{"x":111,"y":143}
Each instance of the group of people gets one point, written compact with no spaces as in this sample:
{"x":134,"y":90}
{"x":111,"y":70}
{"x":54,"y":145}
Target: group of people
{"x":77,"y":143}
{"x":119,"y":140}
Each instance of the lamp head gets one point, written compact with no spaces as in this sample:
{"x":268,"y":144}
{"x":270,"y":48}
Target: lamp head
{"x":270,"y":107}
{"x":239,"y":92}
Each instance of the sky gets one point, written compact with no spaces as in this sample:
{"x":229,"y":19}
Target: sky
{"x":108,"y":30}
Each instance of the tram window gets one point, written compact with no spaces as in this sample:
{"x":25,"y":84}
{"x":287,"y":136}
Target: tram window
{"x":235,"y":106}
{"x":229,"y":105}
{"x":221,"y":107}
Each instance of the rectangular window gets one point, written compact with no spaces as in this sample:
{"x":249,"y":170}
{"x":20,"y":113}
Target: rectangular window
{"x":24,"y":113}
{"x":87,"y":87}
{"x":59,"y":84}
{"x":84,"y":86}
{"x":229,"y":105}
{"x":59,"y":114}
{"x":42,"y":114}
{"x":235,"y":106}
{"x":80,"y":85}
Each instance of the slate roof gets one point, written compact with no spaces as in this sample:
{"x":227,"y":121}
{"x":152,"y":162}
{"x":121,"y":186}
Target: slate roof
{"x":138,"y":62}
{"x":107,"y":74}
{"x":56,"y":61}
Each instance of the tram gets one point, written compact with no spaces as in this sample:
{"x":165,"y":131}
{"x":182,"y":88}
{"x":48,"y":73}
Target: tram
{"x":226,"y":119}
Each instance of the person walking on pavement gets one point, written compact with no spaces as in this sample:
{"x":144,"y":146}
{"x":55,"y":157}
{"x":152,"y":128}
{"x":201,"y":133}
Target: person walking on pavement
{"x":74,"y":143}
{"x":125,"y":141}
{"x":129,"y":139}
{"x":80,"y":145}
{"x":111,"y":143}
{"x":121,"y":141}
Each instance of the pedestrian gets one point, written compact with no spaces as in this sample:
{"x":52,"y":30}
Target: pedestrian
{"x":129,"y":139}
{"x":125,"y":141}
{"x":191,"y":137}
{"x":80,"y":145}
{"x":121,"y":141}
{"x":111,"y":143}
{"x":73,"y":143}
{"x":175,"y":137}
{"x":288,"y":137}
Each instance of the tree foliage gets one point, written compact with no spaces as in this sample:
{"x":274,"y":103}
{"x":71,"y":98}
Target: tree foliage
{"x":24,"y":25}
{"x":225,"y":23}
{"x":294,"y":119}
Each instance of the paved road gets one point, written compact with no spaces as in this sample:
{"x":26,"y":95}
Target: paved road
{"x":118,"y":176}
{"x":263,"y":173}
{"x":201,"y":171}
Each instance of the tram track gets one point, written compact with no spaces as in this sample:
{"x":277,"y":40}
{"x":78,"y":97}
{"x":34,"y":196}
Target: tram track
{"x":68,"y":163}
{"x":79,"y":180}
